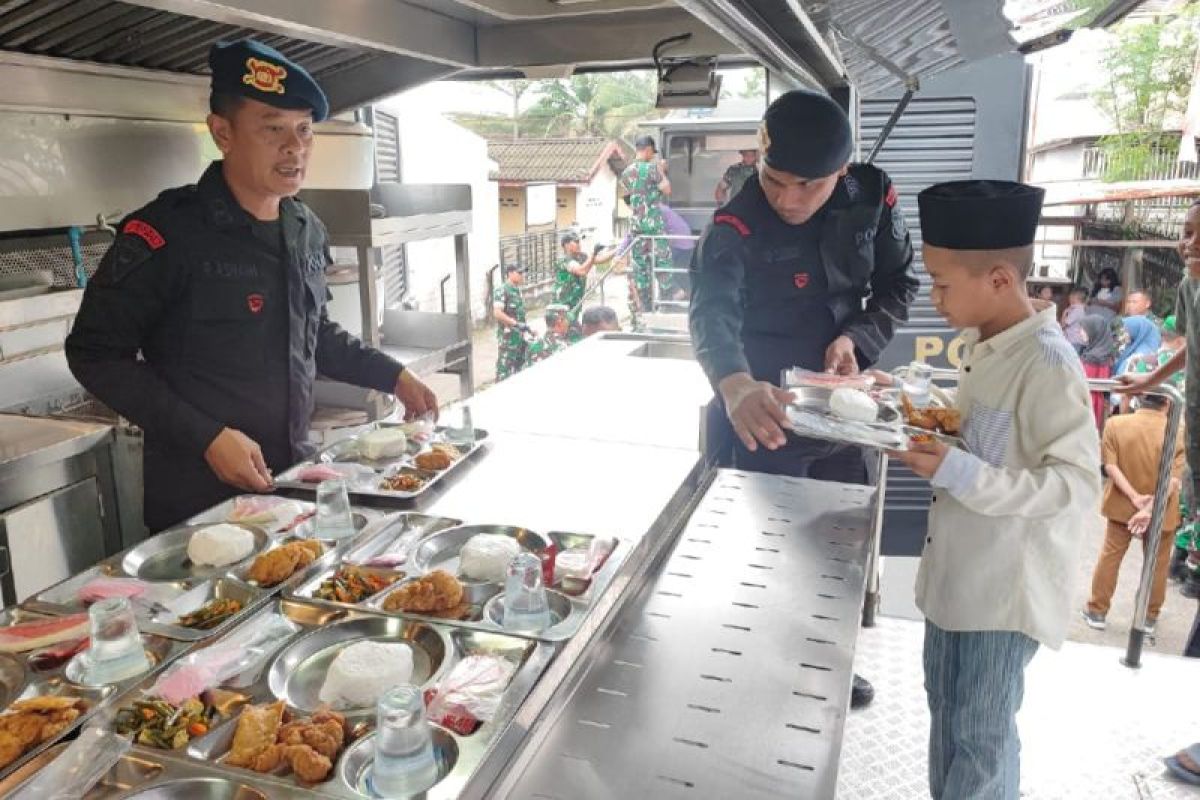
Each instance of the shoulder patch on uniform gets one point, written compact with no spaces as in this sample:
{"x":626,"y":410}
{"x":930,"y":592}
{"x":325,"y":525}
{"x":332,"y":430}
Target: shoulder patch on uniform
{"x":891,"y":197}
{"x":733,"y":222}
{"x":144,"y":231}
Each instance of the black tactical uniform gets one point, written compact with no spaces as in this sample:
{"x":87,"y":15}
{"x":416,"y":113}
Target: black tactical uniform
{"x":228,"y":313}
{"x":768,"y":296}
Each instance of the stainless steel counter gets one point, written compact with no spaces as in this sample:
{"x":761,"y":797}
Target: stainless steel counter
{"x":726,"y":672}
{"x":32,"y":442}
{"x":630,"y":389}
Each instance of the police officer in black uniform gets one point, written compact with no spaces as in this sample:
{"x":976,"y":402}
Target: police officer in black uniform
{"x":810,"y":265}
{"x":205,"y":323}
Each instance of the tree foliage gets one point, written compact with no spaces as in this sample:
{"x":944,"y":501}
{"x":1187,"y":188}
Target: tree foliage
{"x":608,"y":105}
{"x":1148,"y":73}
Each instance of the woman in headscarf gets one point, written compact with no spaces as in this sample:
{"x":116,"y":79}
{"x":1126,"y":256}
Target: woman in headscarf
{"x":1098,"y":356}
{"x":1144,"y":339}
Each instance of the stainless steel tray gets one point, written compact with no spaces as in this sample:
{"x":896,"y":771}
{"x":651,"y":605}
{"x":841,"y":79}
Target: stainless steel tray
{"x":365,"y":482}
{"x":20,"y":680}
{"x":172,"y":598}
{"x":810,"y":417}
{"x":144,"y":774}
{"x":164,"y":557}
{"x":569,"y":601}
{"x":294,"y":674}
{"x":396,"y":538}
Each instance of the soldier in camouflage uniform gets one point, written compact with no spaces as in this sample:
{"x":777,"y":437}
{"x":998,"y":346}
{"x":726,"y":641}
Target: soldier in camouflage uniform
{"x":555,"y":339}
{"x":736,"y":176}
{"x":570,"y":278}
{"x":645,"y":185}
{"x":509,"y":308}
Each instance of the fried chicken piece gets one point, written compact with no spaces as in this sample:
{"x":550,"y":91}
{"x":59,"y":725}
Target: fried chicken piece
{"x":270,"y":759}
{"x":437,"y":591}
{"x":24,"y":726}
{"x":948,"y":420}
{"x":48,"y":703}
{"x":53,"y":728}
{"x":312,"y":550}
{"x":256,"y":730}
{"x":435,"y":460}
{"x":275,"y":566}
{"x":10,"y":748}
{"x":308,"y":764}
{"x":445,"y":447}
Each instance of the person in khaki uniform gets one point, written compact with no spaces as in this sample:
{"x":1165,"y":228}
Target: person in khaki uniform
{"x":1130,"y":451}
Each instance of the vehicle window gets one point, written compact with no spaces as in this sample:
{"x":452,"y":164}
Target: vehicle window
{"x":697,"y":161}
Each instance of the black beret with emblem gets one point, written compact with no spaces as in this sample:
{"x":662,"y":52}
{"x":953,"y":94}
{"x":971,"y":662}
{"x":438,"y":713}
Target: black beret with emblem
{"x":252,"y":69}
{"x":980,"y":215}
{"x":806,"y":134}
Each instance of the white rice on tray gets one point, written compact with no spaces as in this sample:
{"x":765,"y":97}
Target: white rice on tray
{"x":364,"y":671}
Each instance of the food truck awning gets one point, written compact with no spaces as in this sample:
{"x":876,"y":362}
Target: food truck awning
{"x":365,"y":51}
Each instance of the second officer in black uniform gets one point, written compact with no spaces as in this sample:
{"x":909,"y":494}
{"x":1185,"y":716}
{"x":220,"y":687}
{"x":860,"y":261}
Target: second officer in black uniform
{"x":205,"y":323}
{"x":810,"y":265}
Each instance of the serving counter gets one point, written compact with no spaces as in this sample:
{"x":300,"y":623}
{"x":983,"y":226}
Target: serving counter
{"x":715,"y":661}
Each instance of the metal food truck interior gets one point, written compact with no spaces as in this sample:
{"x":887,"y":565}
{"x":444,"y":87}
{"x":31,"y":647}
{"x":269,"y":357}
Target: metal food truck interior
{"x":102,"y":105}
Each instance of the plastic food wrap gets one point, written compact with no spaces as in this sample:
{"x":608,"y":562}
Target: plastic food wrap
{"x":78,"y":768}
{"x":470,"y":694}
{"x":803,"y":377}
{"x":242,"y":652}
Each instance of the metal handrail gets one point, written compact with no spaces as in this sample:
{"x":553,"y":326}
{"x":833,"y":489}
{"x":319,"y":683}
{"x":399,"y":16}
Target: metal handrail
{"x":1137,"y":631}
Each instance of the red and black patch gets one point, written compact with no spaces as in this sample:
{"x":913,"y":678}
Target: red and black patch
{"x":891,"y":197}
{"x":800,"y":279}
{"x":255,"y":302}
{"x":732,"y":221}
{"x":144,"y":231}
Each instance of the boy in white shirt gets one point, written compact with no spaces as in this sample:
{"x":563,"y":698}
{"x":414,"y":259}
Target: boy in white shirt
{"x":1008,"y":516}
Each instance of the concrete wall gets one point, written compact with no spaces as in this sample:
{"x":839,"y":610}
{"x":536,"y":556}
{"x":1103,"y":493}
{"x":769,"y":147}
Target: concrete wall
{"x":512,"y":210}
{"x":1049,"y":168}
{"x":435,"y":150}
{"x":565,"y":198}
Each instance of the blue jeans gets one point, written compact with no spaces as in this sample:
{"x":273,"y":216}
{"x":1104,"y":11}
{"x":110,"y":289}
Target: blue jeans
{"x":975,"y":681}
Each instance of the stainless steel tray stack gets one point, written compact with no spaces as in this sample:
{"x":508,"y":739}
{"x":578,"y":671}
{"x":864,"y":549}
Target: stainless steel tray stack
{"x":179,"y":587}
{"x":365,"y":476}
{"x":439,"y":549}
{"x":22,"y":679}
{"x":296,"y":672}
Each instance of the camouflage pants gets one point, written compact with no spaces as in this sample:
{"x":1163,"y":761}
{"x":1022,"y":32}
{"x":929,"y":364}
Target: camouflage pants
{"x":645,"y":256}
{"x":1191,"y":419}
{"x":510,"y":359}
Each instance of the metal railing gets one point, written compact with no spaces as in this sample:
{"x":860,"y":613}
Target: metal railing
{"x":1153,"y":535}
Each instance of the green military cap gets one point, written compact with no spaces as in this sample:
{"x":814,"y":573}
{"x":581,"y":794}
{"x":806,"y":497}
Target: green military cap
{"x":806,"y":134}
{"x":252,"y":69}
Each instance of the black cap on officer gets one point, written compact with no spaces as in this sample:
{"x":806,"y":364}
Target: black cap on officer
{"x":567,"y":238}
{"x":806,"y":134}
{"x":645,"y":141}
{"x":252,"y":69}
{"x":980,"y":215}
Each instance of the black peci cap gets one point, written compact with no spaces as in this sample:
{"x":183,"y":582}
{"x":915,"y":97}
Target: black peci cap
{"x":806,"y":134}
{"x":645,"y":141}
{"x":980,"y":215}
{"x":252,"y":69}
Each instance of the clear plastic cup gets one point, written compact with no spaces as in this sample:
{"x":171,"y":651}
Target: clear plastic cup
{"x":526,"y":608}
{"x":116,"y":649}
{"x":404,"y":760}
{"x":918,"y":378}
{"x":333,"y":519}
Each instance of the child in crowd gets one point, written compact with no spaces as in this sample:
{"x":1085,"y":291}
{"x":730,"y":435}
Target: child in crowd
{"x":1072,"y":317}
{"x":1131,"y":448}
{"x":1008,"y":515}
{"x":1098,"y":356}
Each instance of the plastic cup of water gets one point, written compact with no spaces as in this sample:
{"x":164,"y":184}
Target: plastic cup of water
{"x":116,"y":650}
{"x":333,"y":519}
{"x":404,"y":760}
{"x":526,"y":608}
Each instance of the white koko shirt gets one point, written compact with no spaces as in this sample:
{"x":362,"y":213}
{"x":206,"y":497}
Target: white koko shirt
{"x":1008,"y":518}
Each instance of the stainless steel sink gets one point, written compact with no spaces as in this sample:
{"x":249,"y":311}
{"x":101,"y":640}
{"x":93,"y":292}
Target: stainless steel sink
{"x":676,"y":350}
